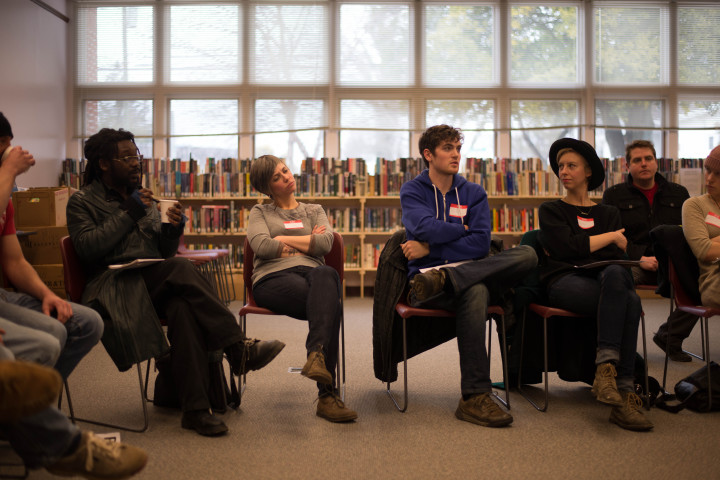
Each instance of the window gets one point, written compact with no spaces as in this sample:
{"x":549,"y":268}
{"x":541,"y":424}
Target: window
{"x":203,"y":129}
{"x":204,"y":43}
{"x":548,"y":119}
{"x":625,"y":120}
{"x":701,"y":115}
{"x":544,"y":45}
{"x":375,"y":45}
{"x":631,"y":45}
{"x":459,"y":46}
{"x":371,"y":141}
{"x":289,"y":44}
{"x":274,"y":115}
{"x":698,"y":47}
{"x":135,"y":116}
{"x":470,"y":114}
{"x":117,"y":45}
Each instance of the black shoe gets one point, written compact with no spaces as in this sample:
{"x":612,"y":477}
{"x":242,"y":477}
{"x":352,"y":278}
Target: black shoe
{"x":674,"y":352}
{"x":252,"y":354}
{"x":204,"y":423}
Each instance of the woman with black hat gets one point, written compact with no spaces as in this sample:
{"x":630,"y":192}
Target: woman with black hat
{"x":575,"y":231}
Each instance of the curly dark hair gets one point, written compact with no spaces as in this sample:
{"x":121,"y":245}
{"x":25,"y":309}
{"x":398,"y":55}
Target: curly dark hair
{"x":102,"y":146}
{"x":434,"y":136}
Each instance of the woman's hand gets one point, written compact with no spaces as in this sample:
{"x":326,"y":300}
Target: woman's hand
{"x":620,"y":239}
{"x":318,"y":229}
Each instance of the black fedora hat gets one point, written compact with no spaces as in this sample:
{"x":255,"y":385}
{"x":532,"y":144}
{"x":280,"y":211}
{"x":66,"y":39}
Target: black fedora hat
{"x":587,"y":152}
{"x":5,"y":130}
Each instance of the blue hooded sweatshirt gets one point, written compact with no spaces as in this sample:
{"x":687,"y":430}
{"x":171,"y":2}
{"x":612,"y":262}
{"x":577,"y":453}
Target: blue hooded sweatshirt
{"x":429,"y":216}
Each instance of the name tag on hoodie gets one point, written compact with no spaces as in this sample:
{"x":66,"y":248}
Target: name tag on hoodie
{"x":293,"y":224}
{"x":458,"y":210}
{"x":713,"y":219}
{"x":585,"y":223}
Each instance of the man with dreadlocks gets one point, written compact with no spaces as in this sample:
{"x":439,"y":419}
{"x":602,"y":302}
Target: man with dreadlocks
{"x":112,"y":220}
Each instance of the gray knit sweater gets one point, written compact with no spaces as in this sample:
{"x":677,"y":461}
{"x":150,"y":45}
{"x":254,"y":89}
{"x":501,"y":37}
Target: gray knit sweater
{"x":268,"y":221}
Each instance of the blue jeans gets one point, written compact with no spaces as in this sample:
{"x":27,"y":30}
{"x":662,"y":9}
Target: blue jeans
{"x":473,"y":286}
{"x":608,"y":296}
{"x":42,"y":439}
{"x":28,"y":344}
{"x":77,"y":336}
{"x":311,"y":294}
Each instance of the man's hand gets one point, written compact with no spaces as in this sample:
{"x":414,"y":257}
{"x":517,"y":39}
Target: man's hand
{"x":52,"y":303}
{"x":145,"y":196}
{"x":649,"y":263}
{"x":175,"y":214}
{"x":18,"y":161}
{"x":412,"y":249}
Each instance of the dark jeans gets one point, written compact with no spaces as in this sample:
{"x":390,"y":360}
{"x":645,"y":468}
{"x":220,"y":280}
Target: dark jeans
{"x":679,"y":324}
{"x":198,"y":323}
{"x":608,"y":295}
{"x":473,"y":286}
{"x":311,"y":294}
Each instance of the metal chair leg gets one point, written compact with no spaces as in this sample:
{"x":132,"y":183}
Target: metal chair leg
{"x":545,"y":359}
{"x":405,"y":387}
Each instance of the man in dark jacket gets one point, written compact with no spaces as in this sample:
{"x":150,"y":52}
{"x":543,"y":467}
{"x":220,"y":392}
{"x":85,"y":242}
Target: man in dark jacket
{"x":447,"y":220}
{"x":646,"y":200}
{"x":112,"y":220}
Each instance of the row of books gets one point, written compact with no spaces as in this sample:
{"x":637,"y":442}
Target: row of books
{"x":513,"y":220}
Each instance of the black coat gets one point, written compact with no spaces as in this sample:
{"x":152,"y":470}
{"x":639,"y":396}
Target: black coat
{"x":638,"y":217}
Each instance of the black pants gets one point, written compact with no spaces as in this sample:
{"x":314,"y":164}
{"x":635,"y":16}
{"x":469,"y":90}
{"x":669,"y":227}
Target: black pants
{"x":311,"y":294}
{"x":198,"y":323}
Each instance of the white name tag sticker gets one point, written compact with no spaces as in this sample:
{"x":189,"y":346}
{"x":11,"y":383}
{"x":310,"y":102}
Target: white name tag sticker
{"x":585,"y":223}
{"x":713,"y":219}
{"x":458,"y":210}
{"x":293,"y":224}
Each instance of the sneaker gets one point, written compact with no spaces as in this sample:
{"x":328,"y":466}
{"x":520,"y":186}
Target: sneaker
{"x":482,"y":410}
{"x":26,"y":388}
{"x":674,"y":352}
{"x":604,"y":387}
{"x":331,"y":408}
{"x":252,"y":354}
{"x":315,"y":369}
{"x":629,"y":415}
{"x":428,"y":284}
{"x":100,"y":458}
{"x":204,"y":423}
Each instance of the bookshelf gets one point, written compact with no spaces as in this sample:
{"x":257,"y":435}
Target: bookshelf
{"x":364,"y":208}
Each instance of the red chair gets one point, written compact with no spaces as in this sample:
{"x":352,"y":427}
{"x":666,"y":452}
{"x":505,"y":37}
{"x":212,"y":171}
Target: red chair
{"x":335,"y":258}
{"x":684,"y":302}
{"x":75,"y":278}
{"x":406,"y":311}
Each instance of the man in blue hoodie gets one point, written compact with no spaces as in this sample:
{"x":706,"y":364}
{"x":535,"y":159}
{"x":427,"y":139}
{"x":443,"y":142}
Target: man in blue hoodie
{"x":447,"y":221}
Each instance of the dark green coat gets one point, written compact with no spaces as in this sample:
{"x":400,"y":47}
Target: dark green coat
{"x":104,"y":234}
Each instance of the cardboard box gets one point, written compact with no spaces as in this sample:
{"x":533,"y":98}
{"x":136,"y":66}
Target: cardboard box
{"x":40,"y":207}
{"x":43,"y":246}
{"x":52,"y":276}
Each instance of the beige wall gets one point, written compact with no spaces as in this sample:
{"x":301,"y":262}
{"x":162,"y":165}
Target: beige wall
{"x":33,"y":84}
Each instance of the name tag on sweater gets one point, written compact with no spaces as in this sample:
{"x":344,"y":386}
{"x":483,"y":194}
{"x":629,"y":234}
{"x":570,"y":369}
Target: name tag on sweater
{"x":713,"y":219}
{"x":585,"y":223}
{"x":293,"y":224}
{"x":458,"y":210}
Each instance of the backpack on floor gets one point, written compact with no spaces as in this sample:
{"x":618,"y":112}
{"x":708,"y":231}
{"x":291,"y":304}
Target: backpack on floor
{"x":692,"y":391}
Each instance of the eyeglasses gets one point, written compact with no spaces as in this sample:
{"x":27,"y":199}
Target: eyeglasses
{"x":131,"y":158}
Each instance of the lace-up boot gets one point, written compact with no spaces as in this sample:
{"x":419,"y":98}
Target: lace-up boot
{"x":482,"y":410}
{"x":629,"y":415}
{"x":604,"y":387}
{"x":331,"y":408}
{"x":315,"y":369}
{"x":26,"y":388}
{"x":428,"y":284}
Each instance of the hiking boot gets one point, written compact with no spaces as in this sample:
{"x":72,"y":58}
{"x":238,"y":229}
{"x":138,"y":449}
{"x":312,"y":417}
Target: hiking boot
{"x":629,"y":415}
{"x":100,"y":458}
{"x":204,"y":423}
{"x":482,"y":410}
{"x":428,"y":284}
{"x":674,"y":352}
{"x":331,"y":408}
{"x":252,"y":354}
{"x":604,"y":387}
{"x":315,"y":369}
{"x":26,"y":388}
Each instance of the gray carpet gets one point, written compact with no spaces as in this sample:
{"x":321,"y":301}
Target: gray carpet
{"x":277,"y":435}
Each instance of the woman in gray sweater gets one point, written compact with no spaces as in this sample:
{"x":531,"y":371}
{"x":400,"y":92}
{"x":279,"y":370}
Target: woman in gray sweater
{"x":290,"y":277}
